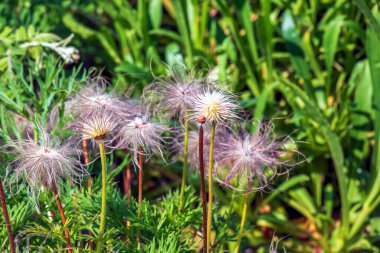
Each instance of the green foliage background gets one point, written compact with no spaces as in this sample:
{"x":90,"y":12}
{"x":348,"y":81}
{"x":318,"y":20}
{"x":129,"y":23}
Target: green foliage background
{"x":314,"y":65}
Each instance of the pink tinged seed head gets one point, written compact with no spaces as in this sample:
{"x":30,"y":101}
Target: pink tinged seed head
{"x":140,"y":132}
{"x":252,"y":160}
{"x":45,"y":162}
{"x":93,"y":99}
{"x":173,"y":93}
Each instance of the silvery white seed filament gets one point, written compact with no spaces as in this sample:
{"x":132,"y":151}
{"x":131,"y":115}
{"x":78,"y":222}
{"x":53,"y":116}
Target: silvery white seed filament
{"x":219,"y":106}
{"x":96,"y":125}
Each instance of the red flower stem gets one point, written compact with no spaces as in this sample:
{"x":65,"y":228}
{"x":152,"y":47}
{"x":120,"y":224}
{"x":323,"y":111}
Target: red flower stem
{"x":86,"y":161}
{"x":63,"y":218}
{"x":127,"y":181}
{"x":127,"y":185}
{"x":89,"y":179}
{"x":203,"y":187}
{"x":6,"y":217}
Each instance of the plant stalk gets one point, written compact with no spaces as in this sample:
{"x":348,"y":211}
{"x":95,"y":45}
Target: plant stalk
{"x":140,"y":180}
{"x":104,"y":196}
{"x":127,"y":185}
{"x":127,"y":181}
{"x":203,"y":188}
{"x":210,"y":165}
{"x":86,"y":161}
{"x":63,"y":217}
{"x":140,"y":191}
{"x":243,"y":216}
{"x":6,"y":217}
{"x":185,"y":165}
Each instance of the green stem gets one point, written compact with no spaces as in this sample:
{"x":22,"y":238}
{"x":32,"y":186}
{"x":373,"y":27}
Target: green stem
{"x":210,"y":165}
{"x":244,"y":214}
{"x":185,"y":165}
{"x":139,"y":200}
{"x":104,"y":204}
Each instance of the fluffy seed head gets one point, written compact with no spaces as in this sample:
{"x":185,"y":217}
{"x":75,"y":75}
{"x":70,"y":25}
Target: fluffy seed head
{"x":96,"y":125}
{"x":45,"y":162}
{"x":217,"y":106}
{"x":139,"y":132}
{"x":93,"y":99}
{"x":173,"y":92}
{"x":251,"y":160}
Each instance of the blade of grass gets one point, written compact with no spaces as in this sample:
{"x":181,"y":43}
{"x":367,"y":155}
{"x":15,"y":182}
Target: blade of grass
{"x":183,"y":29}
{"x":227,"y":14}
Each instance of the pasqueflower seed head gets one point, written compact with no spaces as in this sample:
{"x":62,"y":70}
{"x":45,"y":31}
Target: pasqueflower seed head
{"x":219,"y":106}
{"x":45,"y":162}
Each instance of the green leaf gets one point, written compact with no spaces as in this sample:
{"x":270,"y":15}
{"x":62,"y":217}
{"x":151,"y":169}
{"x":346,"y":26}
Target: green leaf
{"x":155,"y":13}
{"x":330,"y":40}
{"x":293,"y":44}
{"x":292,"y":92}
{"x":293,"y":181}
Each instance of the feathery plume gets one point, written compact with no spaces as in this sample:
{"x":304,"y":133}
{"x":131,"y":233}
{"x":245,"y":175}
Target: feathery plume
{"x":95,"y":125}
{"x":45,"y":162}
{"x":173,"y":92}
{"x":140,"y":132}
{"x":93,"y":98}
{"x":216,"y":105}
{"x":253,"y":159}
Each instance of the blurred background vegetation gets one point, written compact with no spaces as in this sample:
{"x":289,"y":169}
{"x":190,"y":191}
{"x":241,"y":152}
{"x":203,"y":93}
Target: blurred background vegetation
{"x":312,"y":65}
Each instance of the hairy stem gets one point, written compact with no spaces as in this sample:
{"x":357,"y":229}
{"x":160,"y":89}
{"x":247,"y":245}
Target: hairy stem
{"x":86,"y":161}
{"x":244,"y":214}
{"x":6,"y":217}
{"x":210,"y":165}
{"x":140,"y":191}
{"x":203,"y":187}
{"x":63,"y":218}
{"x":127,"y":185}
{"x":127,"y":181}
{"x":104,"y":195}
{"x":185,"y":165}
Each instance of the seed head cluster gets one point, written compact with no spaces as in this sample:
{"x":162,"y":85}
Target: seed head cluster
{"x":251,"y":159}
